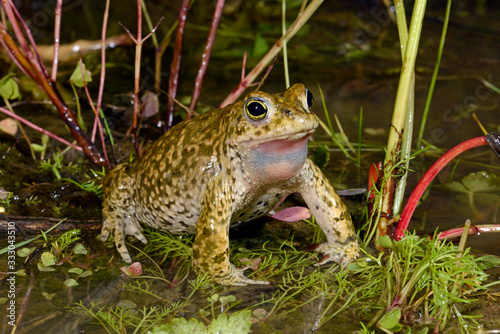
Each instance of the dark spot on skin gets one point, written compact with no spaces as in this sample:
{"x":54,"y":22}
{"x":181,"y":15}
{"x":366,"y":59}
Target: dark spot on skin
{"x":119,"y":246}
{"x":258,"y":133}
{"x":350,"y":239}
{"x":183,"y":224}
{"x":206,"y":232}
{"x":220,"y":258}
{"x":317,"y":207}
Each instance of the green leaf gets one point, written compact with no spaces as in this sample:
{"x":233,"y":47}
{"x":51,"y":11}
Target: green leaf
{"x":86,"y":273}
{"x":37,"y":148}
{"x":80,"y":249}
{"x":237,"y":323}
{"x":456,"y":186}
{"x":391,"y":319}
{"x":9,"y":89}
{"x":42,"y":267}
{"x":77,"y":79}
{"x":476,"y":182}
{"x":227,"y":299}
{"x":3,"y":300}
{"x":490,"y":261}
{"x":384,"y":241}
{"x":77,"y":271}
{"x":180,"y":326}
{"x":213,"y":298}
{"x":25,"y":252}
{"x":70,"y":282}
{"x":48,"y":259}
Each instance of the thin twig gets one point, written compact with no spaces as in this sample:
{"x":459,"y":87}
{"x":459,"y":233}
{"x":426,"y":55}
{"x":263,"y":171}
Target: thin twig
{"x":57,"y":40}
{"x":96,"y":114}
{"x":103,"y":68}
{"x":205,"y":58}
{"x":176,"y":64}
{"x":39,"y":129}
{"x":271,"y":54}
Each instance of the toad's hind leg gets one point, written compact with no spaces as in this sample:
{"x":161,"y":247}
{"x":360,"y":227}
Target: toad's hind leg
{"x":116,"y":218}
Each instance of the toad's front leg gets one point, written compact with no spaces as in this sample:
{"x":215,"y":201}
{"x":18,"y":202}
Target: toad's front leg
{"x":211,"y":244}
{"x":331,"y":215}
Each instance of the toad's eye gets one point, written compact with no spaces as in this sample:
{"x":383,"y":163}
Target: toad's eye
{"x":256,"y":109}
{"x":310,"y":98}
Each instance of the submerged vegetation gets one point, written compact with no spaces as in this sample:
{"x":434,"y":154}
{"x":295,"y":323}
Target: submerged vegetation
{"x":409,"y":284}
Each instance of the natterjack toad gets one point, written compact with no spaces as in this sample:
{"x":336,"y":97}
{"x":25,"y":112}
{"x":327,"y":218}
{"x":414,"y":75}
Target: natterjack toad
{"x":222,"y":168}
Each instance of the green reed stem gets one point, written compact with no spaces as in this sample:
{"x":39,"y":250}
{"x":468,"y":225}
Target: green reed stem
{"x":403,"y":98}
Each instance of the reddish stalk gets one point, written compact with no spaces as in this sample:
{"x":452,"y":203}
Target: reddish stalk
{"x":139,"y":40}
{"x":137,"y":75}
{"x":205,"y":58}
{"x":428,"y":177}
{"x":57,"y":40}
{"x":103,"y":74}
{"x":39,"y":129}
{"x":173,"y":81}
{"x":96,"y":113}
{"x":301,"y":19}
{"x":474,"y":229}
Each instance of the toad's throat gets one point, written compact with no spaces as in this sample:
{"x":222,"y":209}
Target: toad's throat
{"x":278,"y":159}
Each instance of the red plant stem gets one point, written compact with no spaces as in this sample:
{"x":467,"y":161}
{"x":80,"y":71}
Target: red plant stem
{"x":103,"y":71}
{"x":205,"y":58}
{"x":137,"y":76}
{"x":96,"y":113}
{"x":57,"y":40}
{"x":36,"y":61}
{"x":474,"y":229}
{"x":173,"y":81}
{"x":373,"y":176}
{"x":428,"y":177}
{"x":39,"y":129}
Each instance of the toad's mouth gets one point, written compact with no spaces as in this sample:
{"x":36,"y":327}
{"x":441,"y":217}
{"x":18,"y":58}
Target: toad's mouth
{"x":281,"y":144}
{"x":277,"y":159}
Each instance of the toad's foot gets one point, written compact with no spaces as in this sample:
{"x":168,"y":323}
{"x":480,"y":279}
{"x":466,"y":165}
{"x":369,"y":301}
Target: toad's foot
{"x":237,"y":278}
{"x":120,"y":231}
{"x":342,"y":253}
